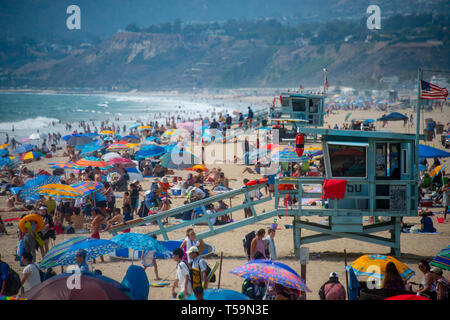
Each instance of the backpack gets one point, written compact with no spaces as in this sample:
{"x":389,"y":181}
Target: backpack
{"x":195,"y":275}
{"x":42,"y":275}
{"x":247,"y":241}
{"x":12,"y":282}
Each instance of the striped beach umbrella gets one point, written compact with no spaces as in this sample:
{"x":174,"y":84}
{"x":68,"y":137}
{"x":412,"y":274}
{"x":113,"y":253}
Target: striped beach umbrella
{"x":52,"y":256}
{"x":60,"y":191}
{"x":442,"y":259}
{"x":94,"y":248}
{"x":122,"y":162}
{"x":375,"y":266}
{"x":61,"y":165}
{"x":91,"y":162}
{"x":86,"y":187}
{"x":118,"y":146}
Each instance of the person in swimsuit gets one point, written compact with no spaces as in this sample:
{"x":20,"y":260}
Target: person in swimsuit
{"x":96,"y":223}
{"x":257,"y":247}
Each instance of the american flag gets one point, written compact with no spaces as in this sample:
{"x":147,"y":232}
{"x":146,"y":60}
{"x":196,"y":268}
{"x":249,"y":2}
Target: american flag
{"x":431,"y":91}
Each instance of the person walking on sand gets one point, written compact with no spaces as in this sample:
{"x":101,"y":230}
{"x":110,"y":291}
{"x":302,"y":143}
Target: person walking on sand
{"x":270,"y":248}
{"x":257,"y":247}
{"x":149,"y":260}
{"x":183,"y":278}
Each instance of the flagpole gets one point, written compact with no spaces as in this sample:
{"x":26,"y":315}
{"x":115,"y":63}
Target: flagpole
{"x":419,"y":88}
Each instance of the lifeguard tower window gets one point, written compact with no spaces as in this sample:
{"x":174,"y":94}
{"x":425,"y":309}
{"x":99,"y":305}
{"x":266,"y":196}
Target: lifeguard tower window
{"x":299,"y":105}
{"x":347,"y":160}
{"x":388,"y":160}
{"x":285,"y":102}
{"x":313,"y":105}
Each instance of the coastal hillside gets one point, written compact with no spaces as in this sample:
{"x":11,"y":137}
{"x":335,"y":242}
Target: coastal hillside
{"x":233,"y":54}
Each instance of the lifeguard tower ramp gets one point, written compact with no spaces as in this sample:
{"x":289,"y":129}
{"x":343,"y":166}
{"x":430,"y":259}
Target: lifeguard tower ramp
{"x":379,"y":169}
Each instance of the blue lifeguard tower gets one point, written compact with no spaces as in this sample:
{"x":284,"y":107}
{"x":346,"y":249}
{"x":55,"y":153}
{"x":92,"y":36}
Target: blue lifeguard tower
{"x":379,"y":169}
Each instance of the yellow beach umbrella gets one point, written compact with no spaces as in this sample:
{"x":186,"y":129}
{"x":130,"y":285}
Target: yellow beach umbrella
{"x":107,"y":132}
{"x":132,"y":145}
{"x":374,"y":266}
{"x":59,"y":191}
{"x":437,"y":170}
{"x":170,"y":132}
{"x":142,"y":128}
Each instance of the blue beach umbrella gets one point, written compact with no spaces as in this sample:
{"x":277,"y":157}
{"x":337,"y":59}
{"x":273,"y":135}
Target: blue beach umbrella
{"x":131,"y":139}
{"x":78,"y":140}
{"x":90,"y":148}
{"x":25,"y":148}
{"x":149,"y":151}
{"x":4,"y":152}
{"x":133,"y":126}
{"x":139,"y":241}
{"x":430,"y":152}
{"x":94,"y":248}
{"x":221,"y":294}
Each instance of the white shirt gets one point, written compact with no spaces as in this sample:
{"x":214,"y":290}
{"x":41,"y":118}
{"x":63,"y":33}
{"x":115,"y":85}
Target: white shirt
{"x":212,"y":220}
{"x":33,"y":279}
{"x":190,"y":243}
{"x":182,"y":272}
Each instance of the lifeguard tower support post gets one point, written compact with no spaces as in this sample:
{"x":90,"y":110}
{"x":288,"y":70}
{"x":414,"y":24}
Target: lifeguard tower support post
{"x":380,"y":171}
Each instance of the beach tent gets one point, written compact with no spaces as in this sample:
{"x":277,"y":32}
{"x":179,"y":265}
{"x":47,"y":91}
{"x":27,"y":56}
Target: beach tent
{"x":137,"y":281}
{"x":430,"y":152}
{"x":394,"y":116}
{"x":93,"y":287}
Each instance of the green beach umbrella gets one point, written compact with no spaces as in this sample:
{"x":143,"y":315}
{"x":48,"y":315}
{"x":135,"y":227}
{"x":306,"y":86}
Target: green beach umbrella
{"x":442,"y":259}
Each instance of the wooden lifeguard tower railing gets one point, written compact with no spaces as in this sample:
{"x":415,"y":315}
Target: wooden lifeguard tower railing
{"x":380,"y":171}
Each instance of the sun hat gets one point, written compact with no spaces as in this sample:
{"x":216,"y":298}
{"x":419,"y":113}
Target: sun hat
{"x":192,"y":249}
{"x":436,"y":270}
{"x":43,"y":208}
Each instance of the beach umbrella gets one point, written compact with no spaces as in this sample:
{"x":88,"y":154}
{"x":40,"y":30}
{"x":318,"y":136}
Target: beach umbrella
{"x":92,"y":287}
{"x":270,"y":146}
{"x":91,"y":134}
{"x":394,"y":116}
{"x":61,"y":165}
{"x":32,"y":155}
{"x":437,"y":170}
{"x":94,"y":143}
{"x":4,"y":146}
{"x":110,"y":155}
{"x":198,"y":167}
{"x":149,"y":151}
{"x":178,"y":159}
{"x":91,"y":162}
{"x":134,"y":174}
{"x":94,"y":248}
{"x":132,"y":145}
{"x":270,"y":272}
{"x":430,"y":152}
{"x":156,"y":139}
{"x":61,"y":191}
{"x":87,"y":187}
{"x":133,"y":126}
{"x":375,"y":265}
{"x":3,"y":152}
{"x":31,"y":186}
{"x":118,"y":146}
{"x":132,"y":139}
{"x":442,"y":259}
{"x":52,"y":256}
{"x":169,"y":132}
{"x":106,"y":132}
{"x":139,"y":241}
{"x":287,"y":154}
{"x":407,"y":297}
{"x":221,"y":294}
{"x":122,"y":162}
{"x":78,"y":140}
{"x":87,"y":149}
{"x":25,"y":148}
{"x":143,"y":128}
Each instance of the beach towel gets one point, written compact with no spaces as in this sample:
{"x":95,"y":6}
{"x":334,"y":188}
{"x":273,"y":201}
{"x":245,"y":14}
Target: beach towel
{"x":334,"y":189}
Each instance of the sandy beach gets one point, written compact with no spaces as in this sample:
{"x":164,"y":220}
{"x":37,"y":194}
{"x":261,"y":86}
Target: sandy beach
{"x":325,"y":257}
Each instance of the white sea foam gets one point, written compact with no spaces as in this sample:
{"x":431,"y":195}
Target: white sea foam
{"x":28,"y":124}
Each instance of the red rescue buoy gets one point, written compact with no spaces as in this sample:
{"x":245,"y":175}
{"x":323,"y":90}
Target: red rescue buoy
{"x":257,"y":181}
{"x":299,"y":144}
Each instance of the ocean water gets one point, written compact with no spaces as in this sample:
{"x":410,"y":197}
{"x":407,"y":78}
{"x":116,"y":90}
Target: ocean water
{"x":23,"y":114}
